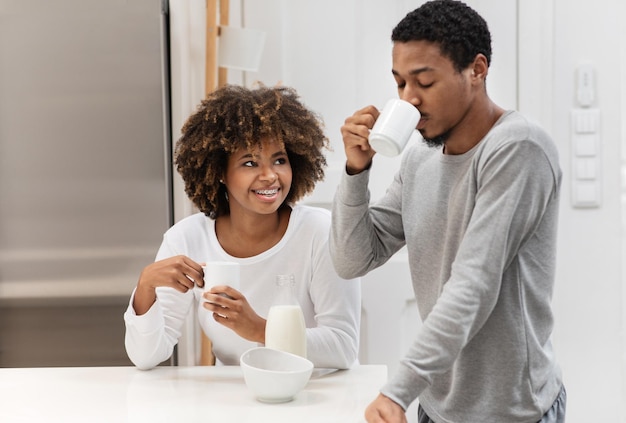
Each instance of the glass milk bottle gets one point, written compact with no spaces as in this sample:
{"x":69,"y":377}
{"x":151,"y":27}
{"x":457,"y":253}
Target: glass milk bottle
{"x":285,"y":329}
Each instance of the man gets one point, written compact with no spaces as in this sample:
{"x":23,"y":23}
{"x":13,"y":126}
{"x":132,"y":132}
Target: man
{"x":476,"y":206}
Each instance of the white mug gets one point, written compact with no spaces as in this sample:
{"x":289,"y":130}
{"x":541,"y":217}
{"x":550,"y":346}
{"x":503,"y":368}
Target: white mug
{"x":394,"y":127}
{"x":221,"y":273}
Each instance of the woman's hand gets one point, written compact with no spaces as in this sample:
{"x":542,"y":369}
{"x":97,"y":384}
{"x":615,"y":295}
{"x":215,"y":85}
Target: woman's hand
{"x":231,"y":309}
{"x":179,"y":272}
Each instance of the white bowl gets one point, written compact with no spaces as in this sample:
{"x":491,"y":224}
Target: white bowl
{"x":273,"y":375}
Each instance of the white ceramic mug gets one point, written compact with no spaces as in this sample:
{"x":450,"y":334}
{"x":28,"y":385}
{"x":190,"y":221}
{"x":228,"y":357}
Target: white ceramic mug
{"x":221,"y":273}
{"x":394,"y":127}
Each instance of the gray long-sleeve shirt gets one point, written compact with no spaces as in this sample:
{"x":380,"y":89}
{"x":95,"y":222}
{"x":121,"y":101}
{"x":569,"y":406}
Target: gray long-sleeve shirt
{"x":480,"y":230}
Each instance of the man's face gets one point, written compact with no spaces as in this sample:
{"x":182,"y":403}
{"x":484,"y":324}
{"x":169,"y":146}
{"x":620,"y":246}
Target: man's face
{"x":429,"y":81}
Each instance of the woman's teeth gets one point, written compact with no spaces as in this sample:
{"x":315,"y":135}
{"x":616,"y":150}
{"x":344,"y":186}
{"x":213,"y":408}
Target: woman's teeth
{"x":267,"y":192}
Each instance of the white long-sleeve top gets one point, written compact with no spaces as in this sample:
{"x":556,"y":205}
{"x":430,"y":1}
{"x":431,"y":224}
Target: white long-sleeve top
{"x":330,"y":304}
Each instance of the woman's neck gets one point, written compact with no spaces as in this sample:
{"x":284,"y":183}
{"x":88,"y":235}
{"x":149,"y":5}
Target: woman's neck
{"x":243,"y":235}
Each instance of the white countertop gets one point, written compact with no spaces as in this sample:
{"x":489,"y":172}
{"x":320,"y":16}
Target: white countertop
{"x":178,"y":394}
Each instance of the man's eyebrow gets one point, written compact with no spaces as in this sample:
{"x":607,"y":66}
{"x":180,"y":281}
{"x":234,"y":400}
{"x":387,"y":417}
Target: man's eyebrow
{"x":415,"y":71}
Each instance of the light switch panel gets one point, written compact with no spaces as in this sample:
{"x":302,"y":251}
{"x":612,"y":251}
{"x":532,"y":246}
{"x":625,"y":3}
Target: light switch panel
{"x":585,"y":90}
{"x":585,"y":150}
{"x":585,"y":168}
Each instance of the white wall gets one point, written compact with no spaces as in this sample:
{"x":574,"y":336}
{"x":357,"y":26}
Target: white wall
{"x":588,"y":301}
{"x":337,"y":55}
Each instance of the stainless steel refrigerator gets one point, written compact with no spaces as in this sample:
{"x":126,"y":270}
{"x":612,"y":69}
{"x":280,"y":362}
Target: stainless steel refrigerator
{"x":85,"y":182}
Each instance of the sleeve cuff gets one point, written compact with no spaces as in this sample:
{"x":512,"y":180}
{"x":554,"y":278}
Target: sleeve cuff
{"x":353,"y":189}
{"x":149,"y":322}
{"x":404,"y":387}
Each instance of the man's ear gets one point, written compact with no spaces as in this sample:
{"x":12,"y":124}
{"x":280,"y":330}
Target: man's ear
{"x":479,"y":67}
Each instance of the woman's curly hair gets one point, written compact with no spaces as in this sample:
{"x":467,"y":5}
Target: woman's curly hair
{"x":460,"y":31}
{"x":235,"y":117}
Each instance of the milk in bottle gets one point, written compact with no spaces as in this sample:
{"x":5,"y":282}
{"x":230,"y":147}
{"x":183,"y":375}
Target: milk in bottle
{"x":285,"y":329}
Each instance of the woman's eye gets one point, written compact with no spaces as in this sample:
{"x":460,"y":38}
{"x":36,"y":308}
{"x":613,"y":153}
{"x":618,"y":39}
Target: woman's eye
{"x":249,"y":163}
{"x":430,"y":84}
{"x":281,"y":161}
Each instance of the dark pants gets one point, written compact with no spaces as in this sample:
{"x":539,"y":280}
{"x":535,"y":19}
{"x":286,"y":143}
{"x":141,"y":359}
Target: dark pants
{"x":556,"y":413}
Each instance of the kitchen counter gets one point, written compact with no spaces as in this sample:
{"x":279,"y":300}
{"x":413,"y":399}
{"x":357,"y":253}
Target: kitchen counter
{"x":172,"y":394}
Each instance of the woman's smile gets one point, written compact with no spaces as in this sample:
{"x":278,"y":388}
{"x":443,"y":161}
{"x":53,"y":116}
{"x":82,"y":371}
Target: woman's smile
{"x":267,"y":193}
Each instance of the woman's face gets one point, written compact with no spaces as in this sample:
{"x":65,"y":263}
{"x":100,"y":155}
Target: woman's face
{"x":258,"y":181}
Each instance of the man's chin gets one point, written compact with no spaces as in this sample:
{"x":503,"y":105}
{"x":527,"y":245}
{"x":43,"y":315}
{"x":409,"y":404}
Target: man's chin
{"x":435,"y":142}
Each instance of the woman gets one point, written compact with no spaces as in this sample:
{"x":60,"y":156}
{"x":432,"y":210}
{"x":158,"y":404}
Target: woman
{"x":246,"y":157}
